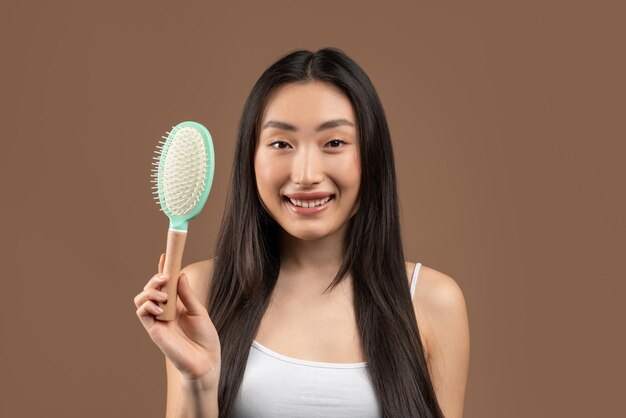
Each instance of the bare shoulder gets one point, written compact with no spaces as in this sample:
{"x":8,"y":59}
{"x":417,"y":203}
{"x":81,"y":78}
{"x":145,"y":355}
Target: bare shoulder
{"x":438,"y":293}
{"x":440,"y":304}
{"x":200,"y":275}
{"x":438,"y":301}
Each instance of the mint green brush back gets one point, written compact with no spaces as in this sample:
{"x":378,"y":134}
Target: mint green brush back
{"x":182,"y":177}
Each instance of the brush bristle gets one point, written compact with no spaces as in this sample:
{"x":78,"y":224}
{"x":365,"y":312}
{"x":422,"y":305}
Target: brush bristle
{"x":183,"y":171}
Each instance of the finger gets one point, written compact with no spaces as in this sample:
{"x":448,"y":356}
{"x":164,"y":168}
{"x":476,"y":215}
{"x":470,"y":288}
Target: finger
{"x":157,"y":281}
{"x":147,"y":319}
{"x":161,"y":263}
{"x":187,"y":297}
{"x":148,"y":308}
{"x":150,"y":294}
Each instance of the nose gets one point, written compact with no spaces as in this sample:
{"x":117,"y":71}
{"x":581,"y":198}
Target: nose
{"x":307,"y":169}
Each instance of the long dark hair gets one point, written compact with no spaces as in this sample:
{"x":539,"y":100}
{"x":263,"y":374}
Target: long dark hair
{"x":247,"y":259}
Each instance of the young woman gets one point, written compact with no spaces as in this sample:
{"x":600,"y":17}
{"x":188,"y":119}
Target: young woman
{"x":308,"y":308}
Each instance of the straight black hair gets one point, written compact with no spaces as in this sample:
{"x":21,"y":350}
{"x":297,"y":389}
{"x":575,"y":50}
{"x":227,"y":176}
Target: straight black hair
{"x":247,"y":259}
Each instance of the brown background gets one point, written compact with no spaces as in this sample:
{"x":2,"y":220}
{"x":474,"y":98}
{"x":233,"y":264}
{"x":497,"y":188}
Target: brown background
{"x":508,"y":129}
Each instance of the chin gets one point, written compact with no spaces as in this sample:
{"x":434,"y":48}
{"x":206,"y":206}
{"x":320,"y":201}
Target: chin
{"x":307,"y":234}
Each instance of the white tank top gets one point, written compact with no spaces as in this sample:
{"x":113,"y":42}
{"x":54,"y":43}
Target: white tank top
{"x":277,"y":386}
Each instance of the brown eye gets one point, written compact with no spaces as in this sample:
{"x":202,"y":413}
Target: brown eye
{"x":337,"y":143}
{"x":273,"y":144}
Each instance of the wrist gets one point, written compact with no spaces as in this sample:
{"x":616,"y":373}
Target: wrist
{"x":206,"y":383}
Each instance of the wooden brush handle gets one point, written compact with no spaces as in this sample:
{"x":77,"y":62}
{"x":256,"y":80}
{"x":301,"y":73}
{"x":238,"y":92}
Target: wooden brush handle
{"x":171,"y":268}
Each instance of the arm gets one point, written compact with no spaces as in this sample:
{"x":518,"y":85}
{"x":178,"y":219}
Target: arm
{"x":185,"y":398}
{"x":448,"y":342}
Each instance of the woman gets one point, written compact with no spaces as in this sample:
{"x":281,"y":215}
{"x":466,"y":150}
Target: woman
{"x":310,"y":306}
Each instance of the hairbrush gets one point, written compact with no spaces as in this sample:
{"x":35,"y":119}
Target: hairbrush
{"x":182,"y":176}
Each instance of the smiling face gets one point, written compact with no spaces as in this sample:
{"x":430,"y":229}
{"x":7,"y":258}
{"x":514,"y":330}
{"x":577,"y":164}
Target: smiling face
{"x":308,"y":150}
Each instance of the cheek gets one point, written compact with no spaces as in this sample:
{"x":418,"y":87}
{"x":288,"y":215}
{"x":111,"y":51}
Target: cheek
{"x":267,"y":175}
{"x":348,"y":173}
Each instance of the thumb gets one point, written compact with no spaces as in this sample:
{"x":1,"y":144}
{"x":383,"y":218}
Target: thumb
{"x":188,"y":298}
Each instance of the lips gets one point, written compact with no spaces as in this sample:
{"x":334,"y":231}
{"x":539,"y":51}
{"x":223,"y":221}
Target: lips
{"x":308,"y":196}
{"x":316,"y":205}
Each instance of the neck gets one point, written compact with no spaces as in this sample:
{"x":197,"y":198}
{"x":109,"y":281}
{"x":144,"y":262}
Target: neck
{"x":310,"y":265}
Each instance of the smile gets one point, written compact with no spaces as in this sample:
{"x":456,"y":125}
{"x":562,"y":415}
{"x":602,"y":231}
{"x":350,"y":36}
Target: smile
{"x":308,"y":207}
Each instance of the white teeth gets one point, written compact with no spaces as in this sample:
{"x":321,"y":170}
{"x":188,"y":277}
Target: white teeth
{"x":309,"y":203}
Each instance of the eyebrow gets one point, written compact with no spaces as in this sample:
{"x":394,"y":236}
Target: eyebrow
{"x":326,"y":125}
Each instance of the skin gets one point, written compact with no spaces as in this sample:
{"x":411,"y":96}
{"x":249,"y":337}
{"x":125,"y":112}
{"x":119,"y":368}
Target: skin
{"x":306,"y":160}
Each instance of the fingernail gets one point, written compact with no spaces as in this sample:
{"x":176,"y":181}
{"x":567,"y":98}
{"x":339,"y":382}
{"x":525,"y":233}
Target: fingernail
{"x":159,"y":310}
{"x":161,"y":278}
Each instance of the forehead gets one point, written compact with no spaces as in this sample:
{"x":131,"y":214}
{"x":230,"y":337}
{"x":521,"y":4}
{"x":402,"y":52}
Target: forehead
{"x":307,"y":105}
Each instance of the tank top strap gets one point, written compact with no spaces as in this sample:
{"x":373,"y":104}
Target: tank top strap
{"x":414,"y":279}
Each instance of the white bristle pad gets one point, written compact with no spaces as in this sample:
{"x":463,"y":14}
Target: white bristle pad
{"x":184,"y":171}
